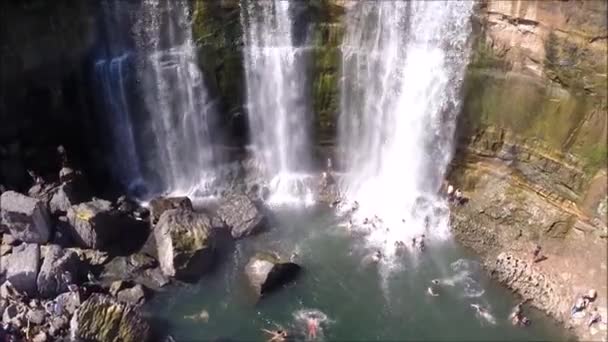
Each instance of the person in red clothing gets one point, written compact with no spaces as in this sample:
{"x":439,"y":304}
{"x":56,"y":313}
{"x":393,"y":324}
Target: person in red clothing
{"x":312,"y":324}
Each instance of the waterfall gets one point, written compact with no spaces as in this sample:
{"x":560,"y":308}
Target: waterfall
{"x":276,"y":99}
{"x":403,"y":65}
{"x":160,"y":115}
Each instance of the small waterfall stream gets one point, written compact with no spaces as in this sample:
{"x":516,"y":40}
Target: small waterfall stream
{"x":161,"y":115}
{"x":276,"y":97}
{"x":403,"y":64}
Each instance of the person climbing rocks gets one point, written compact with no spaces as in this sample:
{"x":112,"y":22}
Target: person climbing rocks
{"x":589,"y":297}
{"x":578,"y":306}
{"x":537,"y":255}
{"x":278,"y":335}
{"x":312,"y":324}
{"x":596,"y":317}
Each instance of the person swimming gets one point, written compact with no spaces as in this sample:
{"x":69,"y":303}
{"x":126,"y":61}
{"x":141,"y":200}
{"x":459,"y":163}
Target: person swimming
{"x":433,"y":290}
{"x":483,"y":312}
{"x":278,"y":335}
{"x":312,"y":324}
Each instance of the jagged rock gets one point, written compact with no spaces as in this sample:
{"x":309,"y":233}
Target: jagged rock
{"x":8,"y":239}
{"x":67,"y":174}
{"x":161,"y":204}
{"x":67,"y":302}
{"x":91,"y":257}
{"x":14,"y":314}
{"x":57,"y":324}
{"x":116,"y":286}
{"x":135,"y":295}
{"x":35,"y":316}
{"x":68,"y":194}
{"x":266,"y":272}
{"x":40,"y":337}
{"x":59,"y":268}
{"x":153,"y":278}
{"x":102,"y":318}
{"x":128,"y":268}
{"x":8,"y":291}
{"x":22,"y":267}
{"x":241,"y":215}
{"x":94,"y":224}
{"x":27,"y":218}
{"x":185,"y":243}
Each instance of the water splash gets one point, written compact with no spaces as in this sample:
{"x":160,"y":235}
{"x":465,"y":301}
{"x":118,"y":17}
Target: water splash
{"x":276,"y":98}
{"x":403,"y":64}
{"x":161,"y":114}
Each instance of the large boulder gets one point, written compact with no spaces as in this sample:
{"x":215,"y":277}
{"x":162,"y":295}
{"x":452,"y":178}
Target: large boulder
{"x":94,"y":224}
{"x":21,"y":267}
{"x":185,"y":243}
{"x":104,"y":319}
{"x":161,"y":204}
{"x":241,"y":215}
{"x":69,"y":193}
{"x":27,"y":218}
{"x":267,"y":271}
{"x":59,"y":268}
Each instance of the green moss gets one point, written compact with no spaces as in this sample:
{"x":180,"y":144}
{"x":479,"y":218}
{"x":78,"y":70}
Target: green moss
{"x":596,"y":157}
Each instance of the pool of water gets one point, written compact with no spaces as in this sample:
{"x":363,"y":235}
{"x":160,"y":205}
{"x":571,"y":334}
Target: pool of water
{"x":357,"y":300}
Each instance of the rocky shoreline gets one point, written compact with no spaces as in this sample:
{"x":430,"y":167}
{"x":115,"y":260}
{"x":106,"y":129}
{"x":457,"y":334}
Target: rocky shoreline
{"x":505,"y":220}
{"x":73,"y":266}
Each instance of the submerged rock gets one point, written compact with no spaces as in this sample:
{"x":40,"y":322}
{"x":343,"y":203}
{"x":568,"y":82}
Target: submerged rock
{"x":59,"y":268}
{"x":185,"y":243}
{"x":161,"y":204}
{"x":28,"y":219}
{"x":266,"y":272}
{"x":104,"y":319}
{"x":242,"y":216}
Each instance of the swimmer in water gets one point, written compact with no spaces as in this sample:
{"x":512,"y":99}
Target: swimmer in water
{"x":433,"y":290}
{"x":312,"y":324}
{"x":483,"y":312}
{"x":278,"y":335}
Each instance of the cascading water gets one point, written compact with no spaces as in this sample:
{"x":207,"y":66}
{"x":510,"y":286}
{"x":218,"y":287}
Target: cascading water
{"x":403,"y":64}
{"x":160,"y":113}
{"x":276,"y":100}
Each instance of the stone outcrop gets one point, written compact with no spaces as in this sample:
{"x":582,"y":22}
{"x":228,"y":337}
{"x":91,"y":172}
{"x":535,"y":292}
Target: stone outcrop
{"x":161,"y":204}
{"x":94,"y":224}
{"x":267,"y":272}
{"x":27,"y":218}
{"x":101,"y":318}
{"x":60,"y":268}
{"x":21,"y":268}
{"x":185,"y":243}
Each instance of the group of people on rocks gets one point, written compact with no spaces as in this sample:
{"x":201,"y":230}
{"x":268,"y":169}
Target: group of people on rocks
{"x":582,"y":303}
{"x":455,"y":195}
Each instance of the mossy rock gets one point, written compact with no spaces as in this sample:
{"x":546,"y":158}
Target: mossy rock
{"x":104,"y":319}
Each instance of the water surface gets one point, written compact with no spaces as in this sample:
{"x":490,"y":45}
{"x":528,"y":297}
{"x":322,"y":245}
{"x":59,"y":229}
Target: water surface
{"x":361,"y":301}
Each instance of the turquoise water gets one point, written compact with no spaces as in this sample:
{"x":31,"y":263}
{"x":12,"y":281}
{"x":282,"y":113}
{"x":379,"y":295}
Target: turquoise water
{"x":360,"y":301}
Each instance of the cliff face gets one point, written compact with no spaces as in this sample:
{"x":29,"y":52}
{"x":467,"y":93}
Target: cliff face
{"x":531,"y":150}
{"x":43,"y":84}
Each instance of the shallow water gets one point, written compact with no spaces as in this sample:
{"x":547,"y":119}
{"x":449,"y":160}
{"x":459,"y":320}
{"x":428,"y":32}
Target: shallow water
{"x":360,"y":301}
